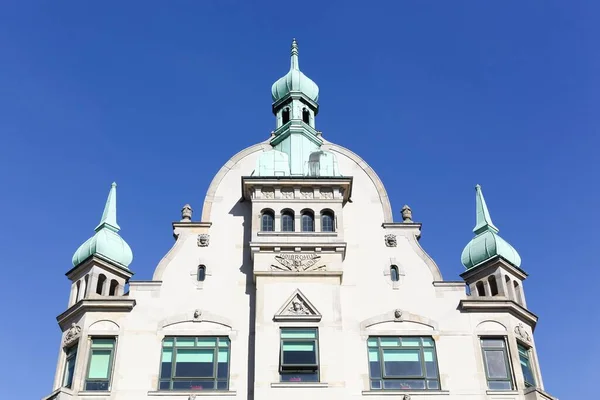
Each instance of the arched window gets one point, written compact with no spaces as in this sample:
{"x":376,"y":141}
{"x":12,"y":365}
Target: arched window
{"x":327,"y":221}
{"x":394,"y":275}
{"x":305,"y":116}
{"x":86,"y":286}
{"x":493,"y":285}
{"x":201,"y":273}
{"x":518,"y":297}
{"x":509,"y":288}
{"x":100,"y":285}
{"x":308,"y":221}
{"x":287,"y":221}
{"x":480,"y":289}
{"x":78,"y":291}
{"x":267,"y":221}
{"x":113,"y":287}
{"x":285,"y":116}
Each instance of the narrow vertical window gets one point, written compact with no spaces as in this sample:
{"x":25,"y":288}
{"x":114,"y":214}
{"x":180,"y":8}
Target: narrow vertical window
{"x":493,"y":285}
{"x":287,"y":221}
{"x":518,"y":295}
{"x":100,"y":284}
{"x":496,"y":362}
{"x":305,"y":116}
{"x":327,"y":221}
{"x":285,"y":116}
{"x":195,"y":363}
{"x":100,"y":365}
{"x":308,"y":221}
{"x":201,"y":273}
{"x":525,"y":360}
{"x":480,"y":289}
{"x":509,"y":288}
{"x":113,"y":287}
{"x":299,"y":359}
{"x":267,"y":221}
{"x":70,"y":366}
{"x":402,"y":363}
{"x":78,"y":291}
{"x":394,"y":274}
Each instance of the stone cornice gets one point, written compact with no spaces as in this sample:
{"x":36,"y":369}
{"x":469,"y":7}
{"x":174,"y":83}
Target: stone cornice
{"x":497,"y":305}
{"x":298,"y":274}
{"x":537,"y":394}
{"x":497,"y":261}
{"x":248,"y":182}
{"x":103,"y":262}
{"x":105,"y":304}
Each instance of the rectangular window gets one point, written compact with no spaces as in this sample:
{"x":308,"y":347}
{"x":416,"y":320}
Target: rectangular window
{"x":195,"y":363}
{"x":496,"y":362}
{"x":399,"y":363}
{"x":299,"y":357}
{"x":70,"y":366}
{"x":525,"y":359}
{"x":100,"y":367}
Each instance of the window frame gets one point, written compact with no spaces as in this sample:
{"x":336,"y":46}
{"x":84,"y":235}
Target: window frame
{"x":299,"y":369}
{"x":507,"y":361}
{"x":216,"y":349}
{"x":308,"y":214}
{"x":528,"y":351}
{"x":110,"y":364}
{"x":70,"y":353}
{"x":331,"y":215}
{"x":383,"y":377}
{"x":263,"y":214}
{"x":288,"y":213}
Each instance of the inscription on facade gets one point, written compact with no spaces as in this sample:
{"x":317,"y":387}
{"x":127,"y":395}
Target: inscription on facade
{"x":297,"y":262}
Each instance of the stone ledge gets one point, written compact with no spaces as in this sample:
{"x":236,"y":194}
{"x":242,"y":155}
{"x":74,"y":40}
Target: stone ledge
{"x":108,"y":304}
{"x":184,"y":393}
{"x":405,"y":392}
{"x":496,"y":305}
{"x":85,"y":394}
{"x":299,"y":385}
{"x":502,"y":392}
{"x":537,"y":394}
{"x":59,"y":394}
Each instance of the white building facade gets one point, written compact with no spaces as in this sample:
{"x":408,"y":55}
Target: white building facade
{"x":295,"y":282}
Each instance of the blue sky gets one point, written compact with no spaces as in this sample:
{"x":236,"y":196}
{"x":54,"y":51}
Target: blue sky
{"x":435,"y":95}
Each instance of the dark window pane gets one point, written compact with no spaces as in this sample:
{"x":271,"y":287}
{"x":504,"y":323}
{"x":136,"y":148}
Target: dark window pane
{"x":268,"y":222}
{"x":194,"y":385}
{"x":222,"y":385}
{"x":287,"y":222}
{"x":299,"y":376}
{"x":222,"y":369}
{"x":308,"y":224}
{"x":194,"y":363}
{"x":394,"y":276}
{"x":327,"y":222}
{"x":435,"y":385}
{"x":375,"y":384}
{"x":96,"y":385}
{"x":201,"y":273}
{"x":375,"y":369}
{"x":165,"y":385}
{"x":299,"y":353}
{"x":165,"y":370}
{"x":526,"y":366}
{"x":402,"y":362}
{"x":499,"y":385}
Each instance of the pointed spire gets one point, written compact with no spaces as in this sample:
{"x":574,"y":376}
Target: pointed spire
{"x":484,"y":221}
{"x":109,"y":216}
{"x":295,"y":62}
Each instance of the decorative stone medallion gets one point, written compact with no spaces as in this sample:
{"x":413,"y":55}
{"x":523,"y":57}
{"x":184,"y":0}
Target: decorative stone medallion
{"x":297,"y":262}
{"x":522,"y":333}
{"x":390,"y":240}
{"x":203,"y":240}
{"x":72,"y":335}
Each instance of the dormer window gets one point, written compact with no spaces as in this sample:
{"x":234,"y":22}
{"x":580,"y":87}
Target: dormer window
{"x":285,"y":116}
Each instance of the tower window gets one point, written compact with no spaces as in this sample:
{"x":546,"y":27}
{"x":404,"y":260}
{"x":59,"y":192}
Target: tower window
{"x":394,"y":274}
{"x":113,"y":287}
{"x":100,"y":366}
{"x":518,"y":296}
{"x":100,"y":284}
{"x":327,"y":221}
{"x":493,"y":285}
{"x":267,"y":221}
{"x":287,"y":221}
{"x":305,"y":116}
{"x":480,"y":289}
{"x":308,"y":221}
{"x":201,"y":273}
{"x":285,"y":116}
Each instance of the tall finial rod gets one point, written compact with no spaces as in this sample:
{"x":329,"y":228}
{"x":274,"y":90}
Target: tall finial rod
{"x":109,"y":216}
{"x":295,"y":62}
{"x":484,"y":220}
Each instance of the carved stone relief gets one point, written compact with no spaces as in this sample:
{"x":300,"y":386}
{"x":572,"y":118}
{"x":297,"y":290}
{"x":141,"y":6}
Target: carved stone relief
{"x":72,"y":334}
{"x":186,"y":213}
{"x":268,"y":193}
{"x":297,"y":262}
{"x":203,"y":240}
{"x":397,"y":314}
{"x":197,"y":314}
{"x":390,"y":240}
{"x":307,"y":193}
{"x":326,"y":194}
{"x":522,"y":333}
{"x":297,"y":307}
{"x":287,"y":193}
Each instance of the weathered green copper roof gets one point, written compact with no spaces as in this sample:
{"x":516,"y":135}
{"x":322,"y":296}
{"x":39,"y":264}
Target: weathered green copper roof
{"x":487,"y":243}
{"x":294,"y":81}
{"x":106,"y":241}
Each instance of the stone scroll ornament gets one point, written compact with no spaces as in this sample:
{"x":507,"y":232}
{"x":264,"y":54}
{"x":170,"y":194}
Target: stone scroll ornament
{"x":72,"y":335}
{"x":297,"y":263}
{"x":522,"y":333}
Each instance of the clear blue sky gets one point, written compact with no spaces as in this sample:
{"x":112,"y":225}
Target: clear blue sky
{"x":436,"y":95}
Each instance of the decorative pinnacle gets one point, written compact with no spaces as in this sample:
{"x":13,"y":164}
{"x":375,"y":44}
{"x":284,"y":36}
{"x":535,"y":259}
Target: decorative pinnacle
{"x":186,"y":213}
{"x":109,"y":216}
{"x":483,"y":218}
{"x":295,"y":61}
{"x":406,"y":214}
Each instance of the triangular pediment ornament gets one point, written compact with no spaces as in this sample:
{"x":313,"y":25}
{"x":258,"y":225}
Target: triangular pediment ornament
{"x":297,"y":308}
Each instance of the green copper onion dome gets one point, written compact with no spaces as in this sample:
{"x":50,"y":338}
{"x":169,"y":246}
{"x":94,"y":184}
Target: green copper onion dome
{"x":106,"y":242}
{"x":487,"y":243}
{"x":294,"y":81}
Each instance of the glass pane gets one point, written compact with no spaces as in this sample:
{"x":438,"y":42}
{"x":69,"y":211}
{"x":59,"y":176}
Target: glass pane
{"x":427,"y":342}
{"x":430,"y":367}
{"x":298,"y":333}
{"x":435,"y":385}
{"x":223,"y":342}
{"x":194,"y":363}
{"x":287,"y":223}
{"x":326,"y":223}
{"x":167,"y":355}
{"x":96,"y":385}
{"x":299,"y":353}
{"x":374,"y":369}
{"x":309,"y":376}
{"x":375,"y":384}
{"x":164,"y":385}
{"x":499,"y":385}
{"x":372,"y":342}
{"x":223,"y":355}
{"x":194,"y":384}
{"x":373,"y":355}
{"x":204,"y":342}
{"x":527,"y":372}
{"x":103,"y":343}
{"x":100,"y":364}
{"x":222,"y":385}
{"x":168,"y":342}
{"x":404,"y":384}
{"x":411,"y":342}
{"x":165,"y":370}
{"x":389,"y":341}
{"x":492,"y":343}
{"x":185,"y":342}
{"x":496,"y":364}
{"x":69,"y":372}
{"x":402,"y":362}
